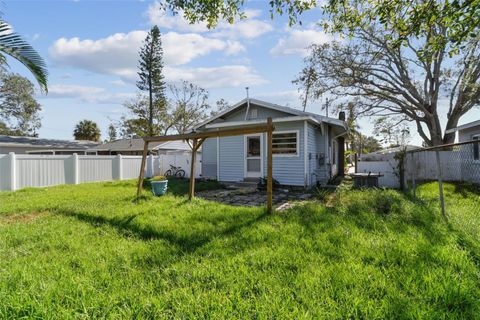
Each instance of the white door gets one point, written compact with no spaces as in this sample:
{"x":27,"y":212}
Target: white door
{"x":253,"y":156}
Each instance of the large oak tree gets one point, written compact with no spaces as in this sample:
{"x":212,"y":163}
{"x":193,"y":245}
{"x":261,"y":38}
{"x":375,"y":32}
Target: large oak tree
{"x":411,"y":81}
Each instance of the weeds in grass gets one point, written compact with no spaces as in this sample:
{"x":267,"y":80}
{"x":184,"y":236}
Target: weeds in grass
{"x":371,"y":254}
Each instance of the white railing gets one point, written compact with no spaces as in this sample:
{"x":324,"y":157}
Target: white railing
{"x":19,"y":171}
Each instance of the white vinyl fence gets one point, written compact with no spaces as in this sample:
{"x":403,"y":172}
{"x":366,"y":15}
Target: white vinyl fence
{"x":388,"y":168}
{"x":21,"y":171}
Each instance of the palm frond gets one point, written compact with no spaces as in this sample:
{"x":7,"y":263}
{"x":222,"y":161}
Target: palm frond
{"x":15,"y":46}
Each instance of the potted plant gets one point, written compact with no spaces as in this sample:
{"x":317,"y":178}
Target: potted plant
{"x":159,"y":185}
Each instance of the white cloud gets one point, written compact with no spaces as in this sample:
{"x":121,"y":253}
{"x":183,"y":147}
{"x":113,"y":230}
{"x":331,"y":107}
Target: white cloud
{"x":216,"y":77}
{"x":114,"y":55}
{"x":297,"y":42}
{"x":118,"y":54}
{"x":183,"y":48}
{"x":291,"y":98}
{"x":157,"y":16}
{"x":88,"y":94}
{"x":119,"y":83}
{"x":249,"y":28}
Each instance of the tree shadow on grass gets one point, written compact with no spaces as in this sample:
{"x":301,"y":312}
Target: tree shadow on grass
{"x":189,"y":242}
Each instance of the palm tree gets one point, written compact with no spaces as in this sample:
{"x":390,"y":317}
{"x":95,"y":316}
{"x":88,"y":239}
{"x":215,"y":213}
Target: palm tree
{"x":13,"y":45}
{"x":87,"y":130}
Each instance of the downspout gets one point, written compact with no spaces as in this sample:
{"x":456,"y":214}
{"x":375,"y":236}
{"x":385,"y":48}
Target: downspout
{"x":248,"y":105}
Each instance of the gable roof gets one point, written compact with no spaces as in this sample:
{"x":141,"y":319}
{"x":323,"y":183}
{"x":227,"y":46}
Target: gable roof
{"x":465,"y":126}
{"x":273,"y":106}
{"x":32,"y":142}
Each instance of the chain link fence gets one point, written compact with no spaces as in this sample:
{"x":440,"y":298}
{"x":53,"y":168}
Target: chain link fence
{"x":459,"y":162}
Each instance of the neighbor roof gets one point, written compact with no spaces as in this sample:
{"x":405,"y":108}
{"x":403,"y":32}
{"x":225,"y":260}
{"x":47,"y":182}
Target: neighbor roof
{"x":277,"y":107}
{"x":465,"y":126}
{"x":31,"y":142}
{"x":137,"y":144}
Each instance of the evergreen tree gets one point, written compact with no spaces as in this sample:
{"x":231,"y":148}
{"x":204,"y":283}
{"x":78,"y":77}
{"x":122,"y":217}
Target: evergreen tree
{"x":151,"y":77}
{"x":112,"y":132}
{"x":19,"y":111}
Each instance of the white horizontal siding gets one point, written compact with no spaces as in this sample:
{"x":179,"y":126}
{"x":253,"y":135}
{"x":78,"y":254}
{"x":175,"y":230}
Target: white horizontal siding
{"x":209,"y":158}
{"x":288,"y":170}
{"x":232,"y":157}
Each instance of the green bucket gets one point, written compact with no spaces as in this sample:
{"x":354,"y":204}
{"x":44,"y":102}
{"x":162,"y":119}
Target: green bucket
{"x":159,"y":188}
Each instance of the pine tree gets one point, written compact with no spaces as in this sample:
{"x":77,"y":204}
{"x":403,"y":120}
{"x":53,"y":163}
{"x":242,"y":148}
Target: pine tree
{"x":151,"y":77}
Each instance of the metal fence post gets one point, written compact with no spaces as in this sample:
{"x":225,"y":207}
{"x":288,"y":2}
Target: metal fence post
{"x":440,"y":183}
{"x":13,"y":171}
{"x":413,"y":168}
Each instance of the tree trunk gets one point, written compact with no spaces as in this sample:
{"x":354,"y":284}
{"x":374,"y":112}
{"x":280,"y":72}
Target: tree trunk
{"x":451,"y":123}
{"x":150,"y":108}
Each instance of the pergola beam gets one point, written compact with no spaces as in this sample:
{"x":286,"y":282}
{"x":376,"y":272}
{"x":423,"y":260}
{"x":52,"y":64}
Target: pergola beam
{"x":210,"y":134}
{"x":198,"y":138}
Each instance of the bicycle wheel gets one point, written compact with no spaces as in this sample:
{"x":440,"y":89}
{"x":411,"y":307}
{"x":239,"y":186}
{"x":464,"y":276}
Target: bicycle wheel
{"x":180,"y":173}
{"x":168,"y":173}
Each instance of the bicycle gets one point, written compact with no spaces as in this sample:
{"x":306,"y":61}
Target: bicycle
{"x":175,"y":172}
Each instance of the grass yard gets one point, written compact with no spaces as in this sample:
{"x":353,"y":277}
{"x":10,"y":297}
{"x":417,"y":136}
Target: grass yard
{"x":91,"y":251}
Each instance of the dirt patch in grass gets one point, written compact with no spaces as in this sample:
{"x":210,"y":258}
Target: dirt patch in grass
{"x":21,"y":217}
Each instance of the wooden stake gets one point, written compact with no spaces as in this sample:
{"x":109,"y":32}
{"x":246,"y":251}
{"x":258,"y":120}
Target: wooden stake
{"x":191,"y":189}
{"x":269,"y":165}
{"x":142,"y":168}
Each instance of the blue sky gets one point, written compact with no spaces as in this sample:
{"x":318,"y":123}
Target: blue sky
{"x":91,"y":50}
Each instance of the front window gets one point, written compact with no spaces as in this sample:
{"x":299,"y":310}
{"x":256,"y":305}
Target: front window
{"x":285,"y":143}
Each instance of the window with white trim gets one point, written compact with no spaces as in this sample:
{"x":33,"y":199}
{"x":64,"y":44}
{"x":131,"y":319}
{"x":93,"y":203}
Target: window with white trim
{"x":476,"y":149}
{"x":285,"y":143}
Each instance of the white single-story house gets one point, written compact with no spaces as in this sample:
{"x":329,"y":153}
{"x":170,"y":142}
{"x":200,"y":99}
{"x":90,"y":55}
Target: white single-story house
{"x":469,"y":132}
{"x":308,"y":149}
{"x":134,"y":146}
{"x":32,"y":145}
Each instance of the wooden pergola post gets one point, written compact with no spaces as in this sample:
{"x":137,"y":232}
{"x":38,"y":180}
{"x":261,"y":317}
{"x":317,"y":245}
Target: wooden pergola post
{"x":199,"y":137}
{"x":191,"y":187}
{"x":142,"y":168}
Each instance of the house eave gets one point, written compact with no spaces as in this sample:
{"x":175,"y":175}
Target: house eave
{"x":463,"y":127}
{"x":275,"y":120}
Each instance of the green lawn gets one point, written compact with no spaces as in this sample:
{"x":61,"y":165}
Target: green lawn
{"x":91,"y":251}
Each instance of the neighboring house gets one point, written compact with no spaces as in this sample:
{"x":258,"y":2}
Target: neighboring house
{"x":386,"y":154}
{"x":30,"y":145}
{"x":469,"y":132}
{"x":308,"y":149}
{"x":135,"y":147}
